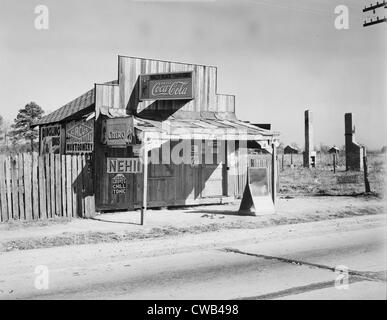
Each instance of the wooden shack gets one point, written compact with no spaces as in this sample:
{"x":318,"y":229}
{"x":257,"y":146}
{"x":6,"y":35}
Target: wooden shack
{"x":167,"y":115}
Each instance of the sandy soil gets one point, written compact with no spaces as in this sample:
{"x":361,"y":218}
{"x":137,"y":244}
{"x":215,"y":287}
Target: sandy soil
{"x":270,"y":263}
{"x":124,"y":226}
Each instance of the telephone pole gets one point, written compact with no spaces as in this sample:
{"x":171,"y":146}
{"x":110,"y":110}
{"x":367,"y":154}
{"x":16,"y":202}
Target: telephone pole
{"x":373,"y":8}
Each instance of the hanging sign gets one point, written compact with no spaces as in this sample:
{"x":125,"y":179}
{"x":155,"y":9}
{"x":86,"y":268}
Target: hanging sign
{"x":118,"y":132}
{"x":50,"y":137}
{"x":124,"y":165}
{"x":80,"y":136}
{"x":166,"y":86}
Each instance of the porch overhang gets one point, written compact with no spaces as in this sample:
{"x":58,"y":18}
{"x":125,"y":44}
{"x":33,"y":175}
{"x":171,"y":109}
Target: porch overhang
{"x":203,"y":129}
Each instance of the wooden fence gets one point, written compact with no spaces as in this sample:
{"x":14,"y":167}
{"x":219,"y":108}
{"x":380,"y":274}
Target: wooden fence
{"x":42,"y":187}
{"x":324,"y":160}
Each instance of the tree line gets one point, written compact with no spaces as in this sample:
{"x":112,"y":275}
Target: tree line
{"x":21,"y":136}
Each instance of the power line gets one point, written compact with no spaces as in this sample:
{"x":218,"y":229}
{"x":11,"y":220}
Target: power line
{"x":373,"y":8}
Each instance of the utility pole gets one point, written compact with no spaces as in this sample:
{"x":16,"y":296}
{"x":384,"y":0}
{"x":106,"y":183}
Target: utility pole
{"x":373,"y":8}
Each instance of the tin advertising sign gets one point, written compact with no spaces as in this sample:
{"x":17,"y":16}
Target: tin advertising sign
{"x":118,"y":132}
{"x":166,"y":86}
{"x":124,"y":165}
{"x":50,"y":139}
{"x":79,"y":137}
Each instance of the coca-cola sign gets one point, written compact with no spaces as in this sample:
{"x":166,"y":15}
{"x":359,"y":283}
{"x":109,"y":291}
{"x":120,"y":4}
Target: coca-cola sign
{"x":166,"y":86}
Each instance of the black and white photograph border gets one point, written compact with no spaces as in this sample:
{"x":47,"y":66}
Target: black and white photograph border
{"x":193,"y":150}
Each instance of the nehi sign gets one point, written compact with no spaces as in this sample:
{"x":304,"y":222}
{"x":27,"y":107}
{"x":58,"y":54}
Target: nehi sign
{"x":166,"y":86}
{"x":124,"y":165}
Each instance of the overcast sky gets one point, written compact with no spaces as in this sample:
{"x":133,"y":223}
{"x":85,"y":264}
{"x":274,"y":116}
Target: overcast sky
{"x":278,"y":57}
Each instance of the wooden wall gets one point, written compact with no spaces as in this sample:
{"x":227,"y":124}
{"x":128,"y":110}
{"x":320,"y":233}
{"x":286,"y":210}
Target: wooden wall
{"x":225,"y":103}
{"x":170,"y":185}
{"x":107,"y":96}
{"x":205,"y":87}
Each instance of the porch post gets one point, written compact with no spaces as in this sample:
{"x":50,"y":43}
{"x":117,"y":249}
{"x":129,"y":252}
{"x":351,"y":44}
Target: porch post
{"x":273,"y":172}
{"x":145,"y":179}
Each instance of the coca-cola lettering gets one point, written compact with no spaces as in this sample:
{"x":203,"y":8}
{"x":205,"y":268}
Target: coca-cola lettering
{"x":170,"y":88}
{"x":166,"y":86}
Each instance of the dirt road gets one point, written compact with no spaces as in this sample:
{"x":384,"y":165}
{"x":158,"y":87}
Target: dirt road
{"x":279,"y":262}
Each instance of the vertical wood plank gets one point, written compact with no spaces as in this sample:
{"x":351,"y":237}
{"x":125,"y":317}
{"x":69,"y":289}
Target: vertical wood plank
{"x":15,"y":193}
{"x":21,"y":186}
{"x":85,"y":179}
{"x":47,"y":173}
{"x":42,"y":188}
{"x":58,"y":186}
{"x":27,"y":186}
{"x":35,"y":187}
{"x":80,"y":198}
{"x":8,"y":186}
{"x":74,"y":174}
{"x":52,"y":186}
{"x":69,"y":202}
{"x":3,"y":191}
{"x":63,"y":180}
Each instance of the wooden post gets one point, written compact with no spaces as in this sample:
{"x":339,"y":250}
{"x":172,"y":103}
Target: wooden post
{"x":273,"y":172}
{"x":334,"y":162}
{"x":366,"y":182}
{"x":283,"y":156}
{"x":145,"y":179}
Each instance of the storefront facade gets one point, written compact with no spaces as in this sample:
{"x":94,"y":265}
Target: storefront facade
{"x":168,"y":115}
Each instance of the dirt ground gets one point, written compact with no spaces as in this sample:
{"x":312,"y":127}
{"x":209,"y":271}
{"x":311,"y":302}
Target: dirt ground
{"x":125,"y":226}
{"x":305,"y":195}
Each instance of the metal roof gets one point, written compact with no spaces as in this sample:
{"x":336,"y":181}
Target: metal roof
{"x":203,"y":129}
{"x":82,"y":102}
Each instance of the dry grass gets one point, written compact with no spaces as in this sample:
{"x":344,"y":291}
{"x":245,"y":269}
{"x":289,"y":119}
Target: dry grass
{"x":299,"y":181}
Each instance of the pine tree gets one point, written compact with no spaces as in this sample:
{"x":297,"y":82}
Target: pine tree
{"x":21,"y":129}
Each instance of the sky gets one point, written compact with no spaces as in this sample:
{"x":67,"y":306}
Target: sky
{"x":277,"y":57}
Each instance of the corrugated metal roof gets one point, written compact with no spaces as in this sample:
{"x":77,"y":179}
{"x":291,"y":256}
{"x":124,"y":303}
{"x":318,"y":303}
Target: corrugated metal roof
{"x":82,"y":102}
{"x":205,"y":127}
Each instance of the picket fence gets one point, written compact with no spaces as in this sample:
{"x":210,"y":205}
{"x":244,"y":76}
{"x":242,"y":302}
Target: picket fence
{"x":48,"y":186}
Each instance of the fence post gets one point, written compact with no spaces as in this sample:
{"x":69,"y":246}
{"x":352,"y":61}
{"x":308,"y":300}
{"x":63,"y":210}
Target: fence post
{"x":366,"y":182}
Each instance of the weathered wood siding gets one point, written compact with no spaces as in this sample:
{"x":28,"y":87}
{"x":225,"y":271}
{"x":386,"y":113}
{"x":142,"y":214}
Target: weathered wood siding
{"x":107,"y":96}
{"x":205,"y":82}
{"x":225,"y":103}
